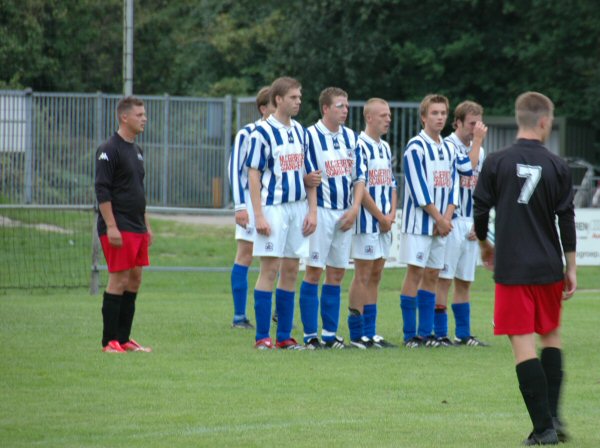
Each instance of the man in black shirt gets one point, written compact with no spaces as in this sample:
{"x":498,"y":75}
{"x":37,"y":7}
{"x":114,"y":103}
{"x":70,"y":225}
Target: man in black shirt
{"x":122,"y":225}
{"x":529,"y":187}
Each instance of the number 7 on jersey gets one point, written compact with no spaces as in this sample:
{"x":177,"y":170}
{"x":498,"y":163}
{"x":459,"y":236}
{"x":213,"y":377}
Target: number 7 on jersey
{"x":532,"y":174}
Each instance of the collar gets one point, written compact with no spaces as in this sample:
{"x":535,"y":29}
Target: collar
{"x":369,"y":140}
{"x":325,"y":130}
{"x":428,"y":139}
{"x":278,"y":124}
{"x":458,"y":143}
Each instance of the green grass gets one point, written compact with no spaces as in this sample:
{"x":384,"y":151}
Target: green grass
{"x":204,"y":384}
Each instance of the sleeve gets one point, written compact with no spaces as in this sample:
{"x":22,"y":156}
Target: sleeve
{"x":394,"y":183}
{"x":310,"y":157}
{"x":455,"y":189}
{"x":484,"y":198}
{"x":415,"y":178}
{"x":259,"y":150}
{"x":236,"y":166}
{"x":360,"y":168}
{"x":106,"y":164}
{"x":565,"y":210}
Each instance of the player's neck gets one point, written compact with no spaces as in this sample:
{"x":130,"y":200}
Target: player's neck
{"x":435,"y":136}
{"x":126,"y":134}
{"x":530,"y":134}
{"x":284,"y":119}
{"x":374,"y":135}
{"x":332,"y":127}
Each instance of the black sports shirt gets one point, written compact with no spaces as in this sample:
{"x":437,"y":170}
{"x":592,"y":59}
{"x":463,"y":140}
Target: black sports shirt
{"x":120,"y":180}
{"x":529,"y":187}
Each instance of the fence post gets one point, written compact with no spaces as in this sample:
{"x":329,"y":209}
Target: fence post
{"x":165,"y":177}
{"x":28,"y":146}
{"x":95,"y":273}
{"x":228,"y":124}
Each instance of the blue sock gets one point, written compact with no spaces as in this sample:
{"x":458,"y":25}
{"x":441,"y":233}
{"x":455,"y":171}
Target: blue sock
{"x":239,"y":290}
{"x":440,"y":322}
{"x":409,"y":316}
{"x":262,"y":310}
{"x":355,"y":325}
{"x":284,"y":303}
{"x":462,"y":317}
{"x":331,"y":298}
{"x":426,"y":305}
{"x":309,"y":309}
{"x":370,"y":320}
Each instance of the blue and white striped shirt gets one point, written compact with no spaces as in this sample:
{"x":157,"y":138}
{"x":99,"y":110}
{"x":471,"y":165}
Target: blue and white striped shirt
{"x":374,"y":159}
{"x":334,"y":153}
{"x":430,"y":177}
{"x":279,"y":153}
{"x":467,"y":182}
{"x":238,"y":171}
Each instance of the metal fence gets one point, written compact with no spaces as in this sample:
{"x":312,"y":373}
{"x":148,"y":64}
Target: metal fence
{"x":48,"y":143}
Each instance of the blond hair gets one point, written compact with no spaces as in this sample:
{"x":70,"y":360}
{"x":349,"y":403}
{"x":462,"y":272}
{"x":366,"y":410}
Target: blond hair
{"x":530,"y":107}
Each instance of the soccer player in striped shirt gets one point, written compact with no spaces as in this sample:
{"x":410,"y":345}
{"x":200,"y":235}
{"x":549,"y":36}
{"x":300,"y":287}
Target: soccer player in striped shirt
{"x":372,"y":237}
{"x":430,"y":197}
{"x":332,"y":148}
{"x":244,"y":216}
{"x":461,"y":251}
{"x":277,"y":165}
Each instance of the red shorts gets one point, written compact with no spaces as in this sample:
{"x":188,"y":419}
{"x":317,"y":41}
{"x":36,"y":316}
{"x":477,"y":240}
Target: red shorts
{"x":133,"y":252}
{"x":525,"y":309}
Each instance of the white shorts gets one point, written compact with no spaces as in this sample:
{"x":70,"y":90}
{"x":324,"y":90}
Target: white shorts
{"x":249,"y":233}
{"x":371,"y":246}
{"x":424,"y":251}
{"x":461,"y":254}
{"x":329,"y":246}
{"x":286,"y":239}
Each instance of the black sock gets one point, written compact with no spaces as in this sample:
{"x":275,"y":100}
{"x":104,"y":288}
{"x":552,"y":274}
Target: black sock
{"x":126,"y":316}
{"x":533,"y":386}
{"x":551,"y":359}
{"x":111,"y":306}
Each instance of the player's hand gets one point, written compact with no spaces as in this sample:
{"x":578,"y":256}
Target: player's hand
{"x":347,"y":220}
{"x":472,"y":236}
{"x":385,"y":225}
{"x":570,"y":284}
{"x":241,"y":218}
{"x":479,"y":131}
{"x":150,"y":237}
{"x":114,"y":236}
{"x":262,"y":226}
{"x":310,"y":224}
{"x":487,"y":254}
{"x":313,"y":179}
{"x":443,"y":226}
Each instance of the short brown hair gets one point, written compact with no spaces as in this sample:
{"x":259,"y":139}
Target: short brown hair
{"x":281,"y":86}
{"x":126,"y":104}
{"x":530,"y":107}
{"x":430,"y":99}
{"x":327,"y":95}
{"x":262,"y":98}
{"x":370,"y":101}
{"x":465,"y":108}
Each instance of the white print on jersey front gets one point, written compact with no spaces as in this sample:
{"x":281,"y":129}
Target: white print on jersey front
{"x":532,"y":174}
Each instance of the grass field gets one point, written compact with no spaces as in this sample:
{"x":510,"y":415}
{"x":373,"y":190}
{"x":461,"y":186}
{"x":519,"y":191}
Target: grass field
{"x":204,"y":384}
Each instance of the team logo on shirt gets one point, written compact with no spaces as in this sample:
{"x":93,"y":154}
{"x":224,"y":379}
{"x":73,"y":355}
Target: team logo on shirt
{"x":103,"y":156}
{"x":269,"y":246}
{"x":380,"y":177}
{"x":369,"y":250}
{"x":140,"y":157}
{"x":341,"y":167}
{"x":291,"y":162}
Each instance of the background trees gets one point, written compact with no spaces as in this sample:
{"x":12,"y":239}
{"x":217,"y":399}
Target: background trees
{"x":486,"y":50}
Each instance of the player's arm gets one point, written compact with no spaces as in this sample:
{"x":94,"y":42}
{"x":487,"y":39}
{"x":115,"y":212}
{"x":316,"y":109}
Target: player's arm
{"x":310,"y":221}
{"x":369,"y":203}
{"x":148,"y":229}
{"x":236,"y":167}
{"x":313,"y":176}
{"x":349,"y":217}
{"x":570,"y":275}
{"x":479,"y":133}
{"x":565,"y":210}
{"x":484,"y":200}
{"x":254,"y":185}
{"x":112,"y":232}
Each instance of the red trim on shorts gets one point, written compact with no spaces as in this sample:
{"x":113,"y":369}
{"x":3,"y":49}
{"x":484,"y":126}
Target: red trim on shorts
{"x":525,"y":309}
{"x":133,"y":252}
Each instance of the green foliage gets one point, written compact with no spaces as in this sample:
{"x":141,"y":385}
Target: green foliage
{"x":486,"y":50}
